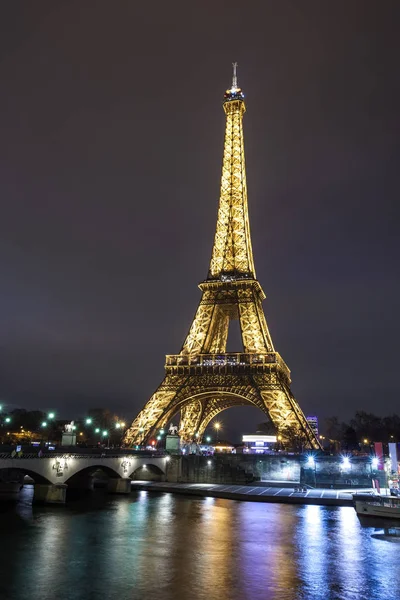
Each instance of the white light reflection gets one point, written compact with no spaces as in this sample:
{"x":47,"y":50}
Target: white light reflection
{"x":313,"y":543}
{"x":350,"y":566}
{"x":209,"y":500}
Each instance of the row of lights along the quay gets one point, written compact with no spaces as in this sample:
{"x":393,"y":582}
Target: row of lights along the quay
{"x":88,"y":421}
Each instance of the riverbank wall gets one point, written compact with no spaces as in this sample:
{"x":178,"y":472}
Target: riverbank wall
{"x":323,"y":471}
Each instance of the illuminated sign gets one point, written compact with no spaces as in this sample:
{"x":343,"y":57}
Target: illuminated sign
{"x":263,"y":439}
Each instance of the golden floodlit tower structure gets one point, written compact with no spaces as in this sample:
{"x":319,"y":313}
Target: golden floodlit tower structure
{"x":204,"y":379}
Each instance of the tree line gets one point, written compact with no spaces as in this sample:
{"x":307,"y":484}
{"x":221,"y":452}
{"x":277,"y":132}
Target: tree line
{"x":362,"y":430}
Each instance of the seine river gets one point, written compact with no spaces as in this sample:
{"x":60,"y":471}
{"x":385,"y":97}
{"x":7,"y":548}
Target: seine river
{"x":158,"y":546}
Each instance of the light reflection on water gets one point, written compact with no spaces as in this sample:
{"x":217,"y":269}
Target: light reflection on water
{"x":171,"y":547}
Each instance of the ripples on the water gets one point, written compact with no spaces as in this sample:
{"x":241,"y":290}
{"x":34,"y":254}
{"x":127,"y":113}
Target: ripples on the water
{"x":161,"y":547}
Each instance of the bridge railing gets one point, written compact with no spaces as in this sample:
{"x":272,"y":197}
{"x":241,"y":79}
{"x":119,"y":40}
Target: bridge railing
{"x":74,"y":454}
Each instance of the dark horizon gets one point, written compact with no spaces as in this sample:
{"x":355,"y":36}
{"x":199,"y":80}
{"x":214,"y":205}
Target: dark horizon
{"x":112,"y":128}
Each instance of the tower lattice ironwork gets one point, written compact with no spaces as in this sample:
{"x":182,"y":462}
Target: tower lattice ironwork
{"x":203,"y":379}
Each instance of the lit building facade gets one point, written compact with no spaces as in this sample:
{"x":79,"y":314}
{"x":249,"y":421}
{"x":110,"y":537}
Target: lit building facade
{"x":259,"y":443}
{"x":313,"y":423}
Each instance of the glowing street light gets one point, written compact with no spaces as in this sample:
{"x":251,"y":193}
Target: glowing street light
{"x":346,"y":463}
{"x":208,"y":439}
{"x":105,"y":433}
{"x":118,"y":425}
{"x":8,"y":419}
{"x":51,"y":415}
{"x":88,"y":421}
{"x":365,"y":441}
{"x":217,"y":427}
{"x":44,"y":424}
{"x":97,"y":430}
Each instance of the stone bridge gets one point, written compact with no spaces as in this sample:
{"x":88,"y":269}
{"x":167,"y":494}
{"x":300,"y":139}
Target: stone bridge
{"x":54,"y":473}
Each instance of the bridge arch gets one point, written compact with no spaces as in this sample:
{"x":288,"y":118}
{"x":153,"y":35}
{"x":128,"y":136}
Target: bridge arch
{"x":148,"y":472}
{"x":18,"y":473}
{"x":84,"y":477}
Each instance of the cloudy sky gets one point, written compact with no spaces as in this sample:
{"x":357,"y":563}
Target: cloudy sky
{"x":111,"y":144}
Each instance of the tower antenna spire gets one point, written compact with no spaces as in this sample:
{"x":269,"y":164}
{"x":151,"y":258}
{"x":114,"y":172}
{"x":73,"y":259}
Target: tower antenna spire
{"x":234,"y":78}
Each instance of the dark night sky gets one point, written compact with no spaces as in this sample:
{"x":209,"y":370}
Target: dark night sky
{"x":111,"y":144}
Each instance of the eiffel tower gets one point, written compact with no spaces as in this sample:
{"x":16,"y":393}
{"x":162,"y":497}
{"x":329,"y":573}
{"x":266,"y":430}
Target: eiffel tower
{"x":203,"y":379}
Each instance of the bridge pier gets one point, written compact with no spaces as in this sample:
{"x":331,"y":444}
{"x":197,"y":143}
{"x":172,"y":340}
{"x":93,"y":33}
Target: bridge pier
{"x":49,"y":493}
{"x":174,"y":468}
{"x":119,"y":486}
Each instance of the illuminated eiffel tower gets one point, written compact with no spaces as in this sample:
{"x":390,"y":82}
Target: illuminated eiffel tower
{"x":203,"y":379}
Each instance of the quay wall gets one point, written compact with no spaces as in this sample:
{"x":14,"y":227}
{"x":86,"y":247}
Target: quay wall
{"x":327,"y":471}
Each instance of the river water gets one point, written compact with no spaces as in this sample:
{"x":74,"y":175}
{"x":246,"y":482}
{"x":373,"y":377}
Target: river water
{"x":159,"y":546}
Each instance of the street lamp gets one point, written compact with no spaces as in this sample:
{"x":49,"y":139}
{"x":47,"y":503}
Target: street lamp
{"x":88,"y":421}
{"x":8,"y":419}
{"x":97,"y":430}
{"x":51,"y":415}
{"x":311,"y":464}
{"x":44,"y":424}
{"x":208,"y":439}
{"x":105,"y":434}
{"x":217,"y":427}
